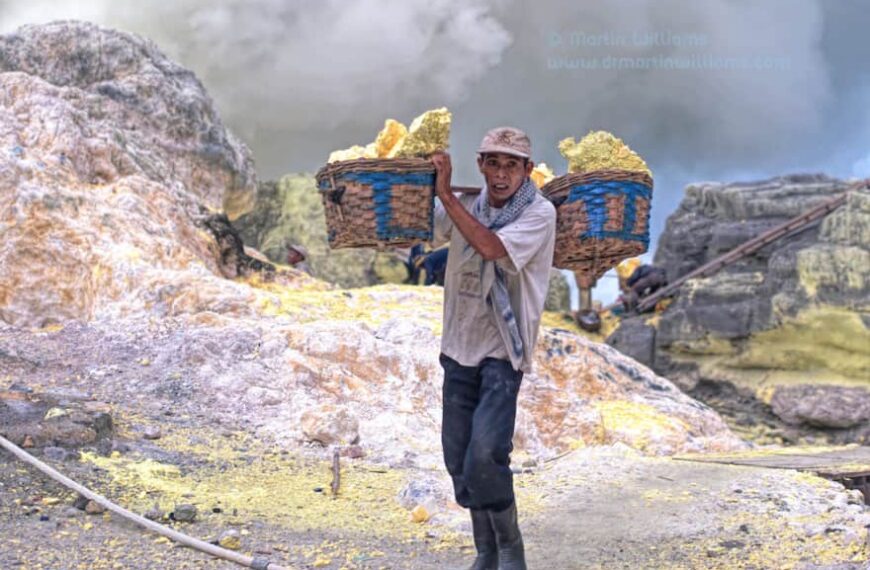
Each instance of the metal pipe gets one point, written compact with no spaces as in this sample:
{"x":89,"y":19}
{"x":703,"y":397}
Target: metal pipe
{"x":202,"y":546}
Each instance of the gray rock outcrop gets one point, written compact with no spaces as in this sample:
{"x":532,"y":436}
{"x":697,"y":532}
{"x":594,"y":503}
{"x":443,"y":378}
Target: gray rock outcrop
{"x":822,"y":406}
{"x":796,"y":312}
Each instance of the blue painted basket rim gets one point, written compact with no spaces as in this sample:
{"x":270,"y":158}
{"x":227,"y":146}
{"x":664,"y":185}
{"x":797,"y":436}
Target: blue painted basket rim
{"x":564,"y":182}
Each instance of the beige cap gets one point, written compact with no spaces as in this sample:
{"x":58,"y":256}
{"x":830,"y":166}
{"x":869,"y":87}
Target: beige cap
{"x":507,"y":140}
{"x":301,"y":250}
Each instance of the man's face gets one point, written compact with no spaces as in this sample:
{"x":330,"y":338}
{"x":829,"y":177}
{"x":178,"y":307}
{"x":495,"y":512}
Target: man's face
{"x":504,"y":174}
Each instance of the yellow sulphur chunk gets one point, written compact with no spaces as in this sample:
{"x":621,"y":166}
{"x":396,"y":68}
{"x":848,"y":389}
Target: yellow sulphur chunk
{"x":352,"y":153}
{"x":230,"y":540}
{"x":389,"y":138}
{"x":428,"y":133}
{"x":600,"y":150}
{"x":627,"y":267}
{"x":55,"y":413}
{"x":420,"y":514}
{"x":541,"y":174}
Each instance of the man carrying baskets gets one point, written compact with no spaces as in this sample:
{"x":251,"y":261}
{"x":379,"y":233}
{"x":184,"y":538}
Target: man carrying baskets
{"x":501,"y":250}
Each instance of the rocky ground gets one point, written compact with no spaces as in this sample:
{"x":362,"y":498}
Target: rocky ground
{"x":596,"y":508}
{"x":173,"y":442}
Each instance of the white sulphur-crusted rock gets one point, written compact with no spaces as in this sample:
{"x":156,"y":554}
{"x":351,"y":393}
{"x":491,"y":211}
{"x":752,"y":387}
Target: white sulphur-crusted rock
{"x":111,"y":156}
{"x":327,"y":424}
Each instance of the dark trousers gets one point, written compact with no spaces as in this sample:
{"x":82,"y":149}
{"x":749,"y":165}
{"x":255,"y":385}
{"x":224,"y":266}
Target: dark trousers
{"x":480,"y":407}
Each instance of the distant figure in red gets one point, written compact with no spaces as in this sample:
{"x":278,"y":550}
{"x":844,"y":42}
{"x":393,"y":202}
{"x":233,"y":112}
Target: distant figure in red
{"x":297,"y":256}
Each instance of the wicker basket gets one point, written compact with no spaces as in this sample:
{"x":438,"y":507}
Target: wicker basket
{"x":602,"y":218}
{"x":378,"y":202}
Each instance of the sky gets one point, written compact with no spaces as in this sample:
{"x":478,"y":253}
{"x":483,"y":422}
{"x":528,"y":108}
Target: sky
{"x":722,"y":90}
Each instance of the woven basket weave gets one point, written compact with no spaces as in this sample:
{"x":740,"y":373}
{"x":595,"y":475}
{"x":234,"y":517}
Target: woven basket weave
{"x":378,"y":202}
{"x":602,"y":218}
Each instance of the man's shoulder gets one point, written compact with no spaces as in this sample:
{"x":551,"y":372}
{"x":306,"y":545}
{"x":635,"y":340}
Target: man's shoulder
{"x":545,"y":205}
{"x":541,"y":207}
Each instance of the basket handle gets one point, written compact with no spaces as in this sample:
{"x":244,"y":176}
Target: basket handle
{"x":334,"y":195}
{"x":558,"y":201}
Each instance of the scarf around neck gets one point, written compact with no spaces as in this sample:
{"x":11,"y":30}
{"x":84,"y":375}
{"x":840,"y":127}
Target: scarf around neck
{"x":492,"y":278}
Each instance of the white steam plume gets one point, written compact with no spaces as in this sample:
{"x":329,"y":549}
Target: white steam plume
{"x":305,"y":68}
{"x":297,"y":79}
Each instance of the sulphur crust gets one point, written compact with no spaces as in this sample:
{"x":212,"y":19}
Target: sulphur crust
{"x":600,"y":150}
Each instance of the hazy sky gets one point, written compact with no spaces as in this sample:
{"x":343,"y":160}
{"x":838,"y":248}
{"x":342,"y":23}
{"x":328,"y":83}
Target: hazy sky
{"x":702,"y":89}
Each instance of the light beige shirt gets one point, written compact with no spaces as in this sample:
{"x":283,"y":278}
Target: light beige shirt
{"x":470,"y":333}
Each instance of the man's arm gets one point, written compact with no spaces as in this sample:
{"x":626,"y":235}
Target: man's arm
{"x":481,"y":238}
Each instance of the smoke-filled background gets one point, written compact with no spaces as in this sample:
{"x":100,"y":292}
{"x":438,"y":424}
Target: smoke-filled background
{"x":703,"y":89}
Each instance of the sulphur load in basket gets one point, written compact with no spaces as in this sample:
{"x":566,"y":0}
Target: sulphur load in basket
{"x":382,"y":194}
{"x":541,"y":174}
{"x":600,"y":150}
{"x":428,"y":133}
{"x":603,"y":205}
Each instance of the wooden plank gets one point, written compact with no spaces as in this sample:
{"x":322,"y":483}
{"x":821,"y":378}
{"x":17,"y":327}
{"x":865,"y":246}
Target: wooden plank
{"x":466,"y":189}
{"x":845,"y":462}
{"x":751,"y":246}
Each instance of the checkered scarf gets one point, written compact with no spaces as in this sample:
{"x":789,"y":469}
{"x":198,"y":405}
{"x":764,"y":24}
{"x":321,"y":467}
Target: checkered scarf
{"x":493,"y":283}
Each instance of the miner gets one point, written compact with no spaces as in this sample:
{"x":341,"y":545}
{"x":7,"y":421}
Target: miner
{"x":297,"y":256}
{"x":498,"y":267}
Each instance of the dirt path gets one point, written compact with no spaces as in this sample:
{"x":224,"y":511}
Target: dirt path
{"x":622,"y":511}
{"x":599,"y":508}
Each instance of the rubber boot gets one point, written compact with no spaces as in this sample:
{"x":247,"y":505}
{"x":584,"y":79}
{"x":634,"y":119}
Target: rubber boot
{"x":484,"y":541}
{"x":511,"y":554}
